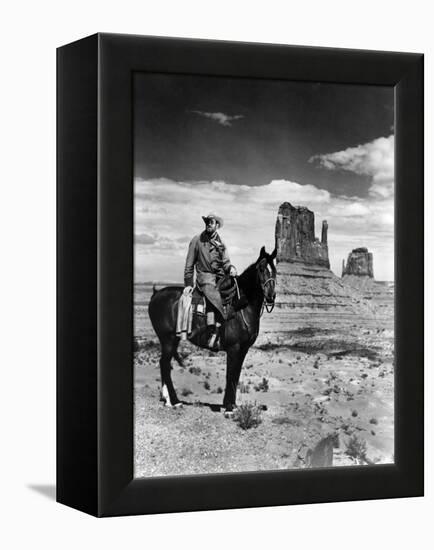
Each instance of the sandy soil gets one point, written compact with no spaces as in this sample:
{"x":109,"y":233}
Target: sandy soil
{"x":324,"y":375}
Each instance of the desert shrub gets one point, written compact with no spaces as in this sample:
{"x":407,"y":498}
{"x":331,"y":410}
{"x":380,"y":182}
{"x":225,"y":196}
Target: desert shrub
{"x":263,"y":385}
{"x":373,"y":421}
{"x":356,"y":448}
{"x":247,"y":415}
{"x":184,"y":353}
{"x":185,"y":392}
{"x":150,"y":345}
{"x":206,"y":385}
{"x":331,"y":377}
{"x":219,"y":389}
{"x":195,"y":370}
{"x":244,"y":388}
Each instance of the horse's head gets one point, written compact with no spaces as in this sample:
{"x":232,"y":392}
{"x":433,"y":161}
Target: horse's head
{"x":267,"y":276}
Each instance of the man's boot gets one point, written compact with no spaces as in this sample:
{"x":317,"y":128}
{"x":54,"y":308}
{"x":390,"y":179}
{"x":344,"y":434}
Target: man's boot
{"x":213,"y":342}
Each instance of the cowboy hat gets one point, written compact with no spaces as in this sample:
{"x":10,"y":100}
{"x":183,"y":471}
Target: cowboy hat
{"x":218,"y":219}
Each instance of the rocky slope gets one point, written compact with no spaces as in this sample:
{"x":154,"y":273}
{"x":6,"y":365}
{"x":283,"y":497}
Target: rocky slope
{"x":314,"y":287}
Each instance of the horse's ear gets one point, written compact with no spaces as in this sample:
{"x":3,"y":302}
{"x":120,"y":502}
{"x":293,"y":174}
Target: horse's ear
{"x":262,"y":253}
{"x":273,"y":254}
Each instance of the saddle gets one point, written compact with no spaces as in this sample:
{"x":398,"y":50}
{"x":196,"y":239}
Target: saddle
{"x":228,"y":290}
{"x":193,"y":321}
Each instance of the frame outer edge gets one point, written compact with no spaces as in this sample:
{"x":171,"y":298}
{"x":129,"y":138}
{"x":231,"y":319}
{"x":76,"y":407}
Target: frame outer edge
{"x":76,"y":446}
{"x":409,"y":277}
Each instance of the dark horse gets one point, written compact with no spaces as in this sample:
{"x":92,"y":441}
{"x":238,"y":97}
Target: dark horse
{"x":257,"y":288}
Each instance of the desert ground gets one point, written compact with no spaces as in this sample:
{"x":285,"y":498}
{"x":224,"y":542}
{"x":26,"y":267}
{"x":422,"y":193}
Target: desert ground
{"x":310,"y":374}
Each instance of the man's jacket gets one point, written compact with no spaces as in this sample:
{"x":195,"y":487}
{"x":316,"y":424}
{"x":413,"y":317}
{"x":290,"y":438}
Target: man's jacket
{"x":210,"y":257}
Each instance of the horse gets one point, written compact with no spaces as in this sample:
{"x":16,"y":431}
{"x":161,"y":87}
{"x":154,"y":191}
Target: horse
{"x":257,"y":289}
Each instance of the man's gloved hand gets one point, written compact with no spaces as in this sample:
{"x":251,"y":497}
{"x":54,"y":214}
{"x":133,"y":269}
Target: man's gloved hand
{"x":233,"y":271}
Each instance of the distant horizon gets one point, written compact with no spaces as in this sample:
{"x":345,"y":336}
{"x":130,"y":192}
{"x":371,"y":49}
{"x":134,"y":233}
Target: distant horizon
{"x":181,"y":283}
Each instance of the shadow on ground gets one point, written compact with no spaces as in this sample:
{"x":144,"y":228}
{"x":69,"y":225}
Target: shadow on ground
{"x":48,"y":491}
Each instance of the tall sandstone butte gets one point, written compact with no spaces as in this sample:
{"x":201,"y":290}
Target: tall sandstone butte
{"x":359,"y":263}
{"x":295,"y":237}
{"x":358,"y":273}
{"x":305,"y":282}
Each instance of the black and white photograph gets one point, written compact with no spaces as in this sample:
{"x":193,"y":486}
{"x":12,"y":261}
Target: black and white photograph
{"x":217,"y":275}
{"x":263,"y":275}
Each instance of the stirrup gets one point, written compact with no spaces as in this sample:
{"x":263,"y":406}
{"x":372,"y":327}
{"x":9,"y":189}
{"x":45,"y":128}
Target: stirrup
{"x":213,"y":340}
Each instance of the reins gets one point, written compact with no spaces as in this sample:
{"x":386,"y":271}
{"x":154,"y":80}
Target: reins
{"x":239,"y":298}
{"x":268,"y":307}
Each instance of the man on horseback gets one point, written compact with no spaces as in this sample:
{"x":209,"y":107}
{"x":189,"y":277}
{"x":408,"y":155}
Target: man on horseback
{"x":257,"y":284}
{"x":208,"y":254}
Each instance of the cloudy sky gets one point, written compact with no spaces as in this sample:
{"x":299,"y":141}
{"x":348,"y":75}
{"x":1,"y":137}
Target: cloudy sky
{"x":241,"y":147}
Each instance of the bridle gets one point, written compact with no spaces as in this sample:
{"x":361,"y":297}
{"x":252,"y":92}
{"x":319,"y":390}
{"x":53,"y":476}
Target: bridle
{"x":269,"y":306}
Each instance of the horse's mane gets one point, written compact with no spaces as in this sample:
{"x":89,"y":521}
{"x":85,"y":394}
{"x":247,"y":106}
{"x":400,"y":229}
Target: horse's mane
{"x":247,"y":280}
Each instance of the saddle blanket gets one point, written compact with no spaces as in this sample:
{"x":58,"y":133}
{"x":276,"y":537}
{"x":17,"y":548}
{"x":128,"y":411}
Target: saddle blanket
{"x":191,"y":302}
{"x":185,"y":315}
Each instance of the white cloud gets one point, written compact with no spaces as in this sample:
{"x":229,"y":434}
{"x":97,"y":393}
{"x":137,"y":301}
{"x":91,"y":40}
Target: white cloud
{"x":374,"y":159}
{"x":169,"y":214}
{"x":144,"y":238}
{"x":220,"y":118}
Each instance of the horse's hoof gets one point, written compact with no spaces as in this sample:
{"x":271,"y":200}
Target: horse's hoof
{"x":229,"y":411}
{"x":165,"y":397}
{"x":170,"y":405}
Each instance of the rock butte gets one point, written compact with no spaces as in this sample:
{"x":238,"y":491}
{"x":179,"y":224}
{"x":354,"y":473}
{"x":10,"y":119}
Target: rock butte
{"x":295,"y":237}
{"x":308,"y":293}
{"x":358,"y":273}
{"x":304,"y":278}
{"x":360,"y":262}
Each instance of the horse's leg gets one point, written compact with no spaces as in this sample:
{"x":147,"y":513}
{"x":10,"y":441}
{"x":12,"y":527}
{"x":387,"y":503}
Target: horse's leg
{"x":178,"y":358}
{"x":168,"y":393}
{"x":234,"y":362}
{"x":237,"y":373}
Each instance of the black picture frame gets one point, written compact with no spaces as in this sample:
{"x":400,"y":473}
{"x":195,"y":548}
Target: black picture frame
{"x":95,"y":275}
